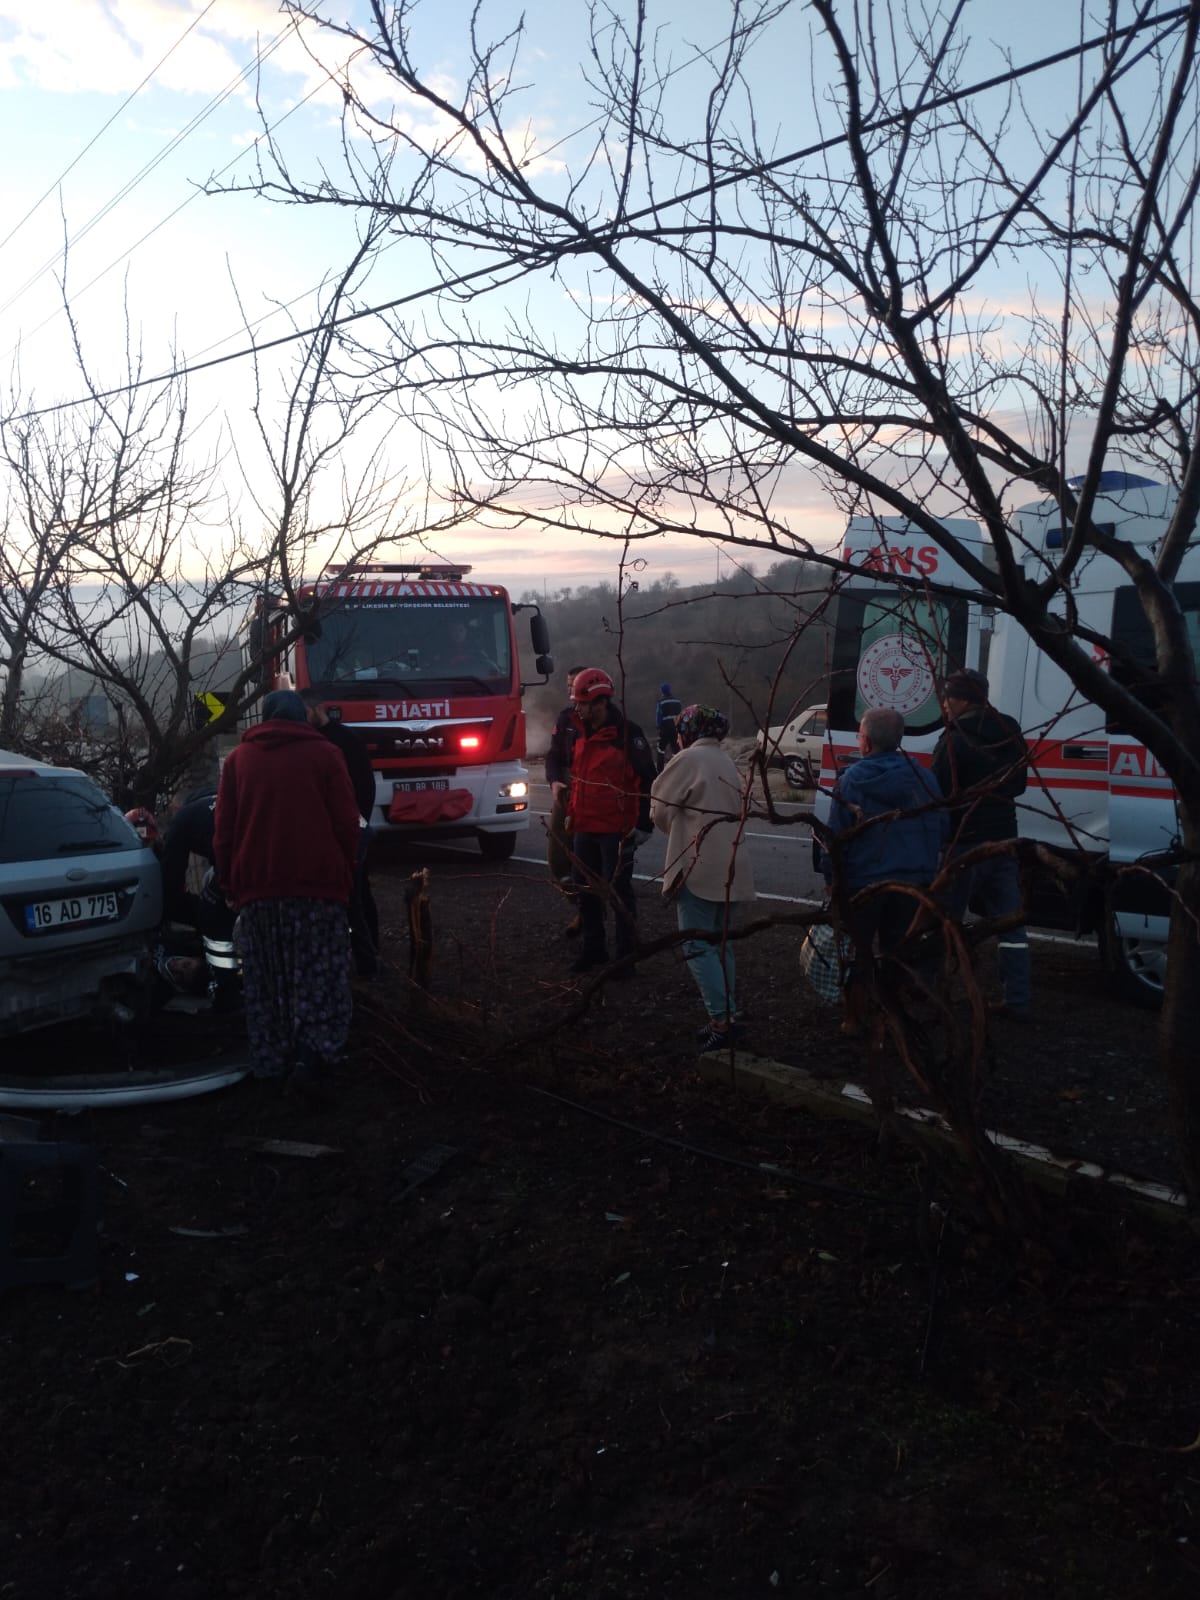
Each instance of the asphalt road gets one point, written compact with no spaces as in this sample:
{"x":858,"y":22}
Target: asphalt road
{"x":781,"y":856}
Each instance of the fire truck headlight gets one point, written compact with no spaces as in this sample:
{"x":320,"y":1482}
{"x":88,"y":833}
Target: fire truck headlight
{"x":470,"y":741}
{"x":514,"y":791}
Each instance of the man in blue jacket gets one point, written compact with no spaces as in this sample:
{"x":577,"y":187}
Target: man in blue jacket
{"x":903,"y":846}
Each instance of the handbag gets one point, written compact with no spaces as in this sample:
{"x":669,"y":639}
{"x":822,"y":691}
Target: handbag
{"x":822,"y":961}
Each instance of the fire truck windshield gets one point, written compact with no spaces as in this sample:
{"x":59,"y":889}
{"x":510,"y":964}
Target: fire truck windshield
{"x":418,"y":642}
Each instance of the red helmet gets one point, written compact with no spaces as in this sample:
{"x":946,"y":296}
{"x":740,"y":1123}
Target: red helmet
{"x":591,"y":684}
{"x":145,"y":824}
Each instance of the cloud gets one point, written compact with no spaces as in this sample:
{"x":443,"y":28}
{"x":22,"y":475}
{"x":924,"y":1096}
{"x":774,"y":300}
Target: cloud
{"x":84,"y":45}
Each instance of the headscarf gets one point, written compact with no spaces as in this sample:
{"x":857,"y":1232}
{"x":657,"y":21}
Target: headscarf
{"x":284,"y":705}
{"x":702,"y":722}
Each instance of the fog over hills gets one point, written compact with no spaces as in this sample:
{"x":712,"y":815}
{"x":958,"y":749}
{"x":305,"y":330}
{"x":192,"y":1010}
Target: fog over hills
{"x":747,"y":645}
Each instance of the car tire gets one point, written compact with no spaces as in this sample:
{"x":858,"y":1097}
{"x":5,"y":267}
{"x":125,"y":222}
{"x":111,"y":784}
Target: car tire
{"x":798,"y":772}
{"x":497,"y":846}
{"x":1138,"y":967}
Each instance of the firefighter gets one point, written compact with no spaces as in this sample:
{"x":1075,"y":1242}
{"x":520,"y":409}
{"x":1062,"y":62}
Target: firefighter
{"x":982,"y":764}
{"x":558,"y":775}
{"x":608,"y":816}
{"x":190,"y":833}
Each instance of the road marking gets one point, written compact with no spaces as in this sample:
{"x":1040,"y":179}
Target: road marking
{"x":1085,"y":940}
{"x":787,"y":836}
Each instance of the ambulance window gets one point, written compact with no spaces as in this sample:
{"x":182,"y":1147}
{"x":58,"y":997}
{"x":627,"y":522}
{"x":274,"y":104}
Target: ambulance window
{"x":892,"y":650}
{"x":1131,"y":628}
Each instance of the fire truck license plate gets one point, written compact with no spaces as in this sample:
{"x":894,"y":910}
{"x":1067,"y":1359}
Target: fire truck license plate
{"x":46,"y":915}
{"x":419,"y":785}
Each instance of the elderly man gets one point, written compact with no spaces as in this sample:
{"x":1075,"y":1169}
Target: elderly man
{"x":982,"y":764}
{"x":894,"y":804}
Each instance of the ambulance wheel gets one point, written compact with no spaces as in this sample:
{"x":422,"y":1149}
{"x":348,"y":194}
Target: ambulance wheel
{"x":1138,"y":966}
{"x":497,"y":846}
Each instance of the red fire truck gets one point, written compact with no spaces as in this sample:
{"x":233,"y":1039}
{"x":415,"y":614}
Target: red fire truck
{"x":424,"y":665}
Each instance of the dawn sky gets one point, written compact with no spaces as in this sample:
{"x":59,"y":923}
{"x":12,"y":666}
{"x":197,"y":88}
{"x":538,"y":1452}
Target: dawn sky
{"x":115,"y":113}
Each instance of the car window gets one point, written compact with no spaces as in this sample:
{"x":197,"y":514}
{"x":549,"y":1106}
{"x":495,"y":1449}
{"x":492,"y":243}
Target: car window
{"x":817,"y":725}
{"x":43,"y":815}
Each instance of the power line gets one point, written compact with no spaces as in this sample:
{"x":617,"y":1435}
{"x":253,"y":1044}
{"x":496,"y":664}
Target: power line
{"x":663,"y":78}
{"x":170,"y":216}
{"x":128,"y":100}
{"x":544,"y":255}
{"x":263,"y":53}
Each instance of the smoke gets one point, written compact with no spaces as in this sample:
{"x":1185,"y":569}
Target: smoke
{"x":538,"y":728}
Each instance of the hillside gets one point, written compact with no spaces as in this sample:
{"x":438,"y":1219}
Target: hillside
{"x":749,"y":645}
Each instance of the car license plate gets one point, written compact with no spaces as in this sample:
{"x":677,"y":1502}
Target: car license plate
{"x":419,"y":785}
{"x":44,"y":916}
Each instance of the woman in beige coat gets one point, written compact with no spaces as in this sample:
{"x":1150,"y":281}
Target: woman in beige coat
{"x":698,"y":801}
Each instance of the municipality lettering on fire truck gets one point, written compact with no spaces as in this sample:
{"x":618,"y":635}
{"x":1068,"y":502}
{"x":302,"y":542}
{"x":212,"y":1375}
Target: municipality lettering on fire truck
{"x":424,"y":666}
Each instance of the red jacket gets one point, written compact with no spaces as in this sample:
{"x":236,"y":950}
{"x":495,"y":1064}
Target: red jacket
{"x":611,"y":773}
{"x":287,"y":821}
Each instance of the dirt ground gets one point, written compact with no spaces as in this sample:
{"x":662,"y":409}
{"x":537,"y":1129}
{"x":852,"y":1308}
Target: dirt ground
{"x":602,"y":1351}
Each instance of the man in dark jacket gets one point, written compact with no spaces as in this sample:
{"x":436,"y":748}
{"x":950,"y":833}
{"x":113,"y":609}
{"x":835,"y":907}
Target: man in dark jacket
{"x":190,"y":833}
{"x":608,"y":814}
{"x":558,"y":776}
{"x":364,"y":916}
{"x":666,"y":719}
{"x":982,"y":764}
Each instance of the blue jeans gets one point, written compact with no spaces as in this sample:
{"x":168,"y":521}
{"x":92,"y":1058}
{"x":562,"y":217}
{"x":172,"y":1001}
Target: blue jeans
{"x":993,"y":889}
{"x":605,"y":856}
{"x":711,"y":964}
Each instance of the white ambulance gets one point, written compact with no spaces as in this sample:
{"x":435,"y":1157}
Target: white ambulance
{"x":1092,"y":787}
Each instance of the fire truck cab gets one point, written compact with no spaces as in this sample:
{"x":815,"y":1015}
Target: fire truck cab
{"x":424,"y":665}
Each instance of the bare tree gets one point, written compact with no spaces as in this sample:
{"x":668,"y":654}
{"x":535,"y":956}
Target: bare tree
{"x":684,"y":326}
{"x":124,"y":575}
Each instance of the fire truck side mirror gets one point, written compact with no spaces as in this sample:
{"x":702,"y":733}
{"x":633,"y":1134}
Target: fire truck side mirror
{"x":539,"y":635}
{"x":545,"y":665}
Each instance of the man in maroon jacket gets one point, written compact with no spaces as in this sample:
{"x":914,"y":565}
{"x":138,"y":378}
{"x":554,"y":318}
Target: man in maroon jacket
{"x":285,"y":840}
{"x":608,"y":815}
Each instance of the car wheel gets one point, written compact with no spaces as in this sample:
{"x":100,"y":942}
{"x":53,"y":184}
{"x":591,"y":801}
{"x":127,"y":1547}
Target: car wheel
{"x":798,"y":772}
{"x":497,"y":846}
{"x":1138,"y":966}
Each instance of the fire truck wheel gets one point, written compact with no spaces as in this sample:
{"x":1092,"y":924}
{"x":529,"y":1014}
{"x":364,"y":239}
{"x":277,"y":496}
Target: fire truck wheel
{"x":497,"y":846}
{"x":1138,"y":966}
